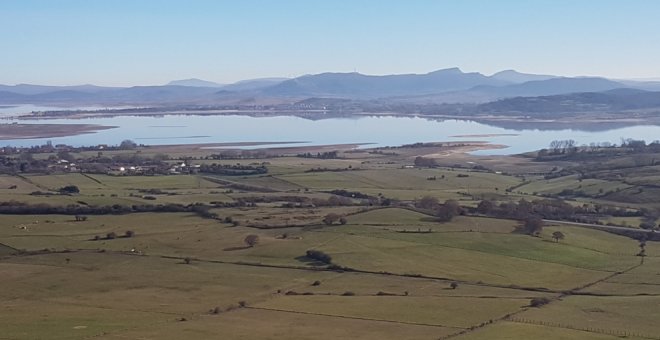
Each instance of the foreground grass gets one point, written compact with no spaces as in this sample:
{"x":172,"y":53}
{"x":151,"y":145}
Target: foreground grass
{"x":396,"y":270}
{"x":514,"y":330}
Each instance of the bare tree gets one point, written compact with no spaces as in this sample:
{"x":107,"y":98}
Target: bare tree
{"x":533,"y":225}
{"x":427,"y":202}
{"x":558,"y":235}
{"x":251,"y":240}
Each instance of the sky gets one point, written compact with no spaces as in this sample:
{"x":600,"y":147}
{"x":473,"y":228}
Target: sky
{"x":151,"y":42}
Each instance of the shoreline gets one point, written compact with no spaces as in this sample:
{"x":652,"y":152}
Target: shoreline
{"x":581,"y":118}
{"x":432,"y":149}
{"x":38,"y":131}
{"x":486,"y":135}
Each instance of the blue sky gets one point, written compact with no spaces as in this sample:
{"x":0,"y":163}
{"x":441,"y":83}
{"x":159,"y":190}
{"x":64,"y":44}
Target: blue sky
{"x":140,"y":42}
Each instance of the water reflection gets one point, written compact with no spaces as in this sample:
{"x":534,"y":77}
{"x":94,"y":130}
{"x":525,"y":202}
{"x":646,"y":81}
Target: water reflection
{"x":378,"y":130}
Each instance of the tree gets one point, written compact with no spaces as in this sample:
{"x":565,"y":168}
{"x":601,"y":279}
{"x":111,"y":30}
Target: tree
{"x":69,"y":189}
{"x":127,"y":144}
{"x":444,"y":213}
{"x":425,"y":162}
{"x":428,"y":203}
{"x":111,"y":235}
{"x":453,"y":207}
{"x":485,"y":207}
{"x":331,"y":218}
{"x":533,"y":225}
{"x":251,"y":240}
{"x":642,"y":247}
{"x":558,"y":235}
{"x":453,"y":285}
{"x":319,"y":256}
{"x":343,"y":220}
{"x":129,"y":233}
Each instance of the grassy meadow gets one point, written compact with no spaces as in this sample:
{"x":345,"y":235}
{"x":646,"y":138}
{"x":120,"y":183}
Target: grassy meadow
{"x":396,"y":272}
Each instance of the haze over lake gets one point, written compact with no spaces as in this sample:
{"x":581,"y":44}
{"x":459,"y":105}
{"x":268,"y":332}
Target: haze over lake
{"x":371,"y":130}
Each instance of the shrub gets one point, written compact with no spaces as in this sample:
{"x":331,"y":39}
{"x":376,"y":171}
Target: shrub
{"x":319,"y":256}
{"x":69,"y":189}
{"x":348,"y":293}
{"x":538,"y":302}
{"x":129,"y":233}
{"x":316,"y":283}
{"x":385,"y":294}
{"x":331,"y":218}
{"x":251,"y":240}
{"x":111,"y":235}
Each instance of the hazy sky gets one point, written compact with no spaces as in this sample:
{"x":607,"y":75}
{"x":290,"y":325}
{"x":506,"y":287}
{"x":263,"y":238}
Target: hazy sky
{"x":135,"y":42}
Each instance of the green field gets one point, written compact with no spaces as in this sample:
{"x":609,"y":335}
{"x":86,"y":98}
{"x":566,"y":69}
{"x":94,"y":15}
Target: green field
{"x":397,"y":272}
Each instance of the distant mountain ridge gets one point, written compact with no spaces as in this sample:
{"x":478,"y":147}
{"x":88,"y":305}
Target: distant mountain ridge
{"x":443,"y":86}
{"x":356,"y":85}
{"x":194,"y":82}
{"x":513,"y":76}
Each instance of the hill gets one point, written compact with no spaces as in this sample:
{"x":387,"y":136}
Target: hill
{"x":555,"y":86}
{"x":613,"y":100}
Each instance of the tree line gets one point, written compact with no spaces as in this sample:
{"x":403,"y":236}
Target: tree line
{"x":22,"y":208}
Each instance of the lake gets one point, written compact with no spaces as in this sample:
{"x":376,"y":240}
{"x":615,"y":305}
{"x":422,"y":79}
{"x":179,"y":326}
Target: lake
{"x":375,"y":130}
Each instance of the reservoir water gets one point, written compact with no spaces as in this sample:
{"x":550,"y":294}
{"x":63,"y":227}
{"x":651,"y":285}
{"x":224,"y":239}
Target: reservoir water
{"x":375,"y":130}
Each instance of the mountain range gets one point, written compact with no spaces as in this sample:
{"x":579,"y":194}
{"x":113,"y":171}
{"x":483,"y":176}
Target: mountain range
{"x":443,"y":86}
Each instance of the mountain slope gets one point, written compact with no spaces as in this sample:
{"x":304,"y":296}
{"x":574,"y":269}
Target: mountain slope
{"x":356,"y":85}
{"x":194,"y":82}
{"x":517,"y":77}
{"x":443,"y":86}
{"x":253,"y":84}
{"x":608,"y":101}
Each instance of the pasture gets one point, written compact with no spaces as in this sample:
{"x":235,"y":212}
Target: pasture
{"x":395,"y":271}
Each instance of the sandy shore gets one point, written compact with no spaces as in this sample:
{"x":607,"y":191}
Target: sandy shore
{"x":29,"y":131}
{"x":460,"y":148}
{"x":265,"y":146}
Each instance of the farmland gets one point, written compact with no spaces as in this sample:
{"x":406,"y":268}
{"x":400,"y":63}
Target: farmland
{"x":169,"y":256}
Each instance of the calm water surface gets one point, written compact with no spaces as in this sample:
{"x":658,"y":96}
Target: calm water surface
{"x":378,"y":131}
